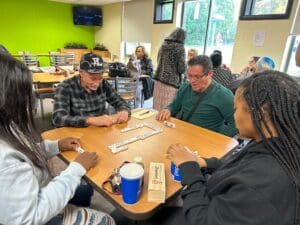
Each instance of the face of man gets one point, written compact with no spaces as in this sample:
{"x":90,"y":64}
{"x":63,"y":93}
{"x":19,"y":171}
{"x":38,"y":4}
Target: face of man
{"x":90,"y":82}
{"x":198,"y":79}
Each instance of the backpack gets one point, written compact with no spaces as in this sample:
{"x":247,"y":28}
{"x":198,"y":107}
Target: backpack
{"x":117,"y":69}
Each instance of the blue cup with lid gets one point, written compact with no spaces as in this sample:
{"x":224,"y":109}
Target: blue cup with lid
{"x":176,"y":173}
{"x":132,"y":175}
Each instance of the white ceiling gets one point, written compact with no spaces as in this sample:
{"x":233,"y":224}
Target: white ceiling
{"x":90,"y":2}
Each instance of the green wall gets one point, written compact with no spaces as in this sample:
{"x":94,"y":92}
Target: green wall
{"x":40,"y":26}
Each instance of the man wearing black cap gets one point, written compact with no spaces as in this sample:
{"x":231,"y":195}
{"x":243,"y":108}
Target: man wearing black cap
{"x":80,"y":100}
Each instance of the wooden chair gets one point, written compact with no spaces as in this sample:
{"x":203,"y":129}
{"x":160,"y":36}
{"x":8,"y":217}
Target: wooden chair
{"x":58,"y":59}
{"x":30,"y":60}
{"x":43,"y":91}
{"x":127,"y":88}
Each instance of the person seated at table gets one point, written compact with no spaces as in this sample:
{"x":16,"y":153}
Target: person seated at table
{"x":264,"y":63}
{"x":223,"y":76}
{"x":192,"y":52}
{"x":202,"y":101}
{"x":260,"y":183}
{"x":80,"y":101}
{"x":28,"y":193}
{"x":250,"y":69}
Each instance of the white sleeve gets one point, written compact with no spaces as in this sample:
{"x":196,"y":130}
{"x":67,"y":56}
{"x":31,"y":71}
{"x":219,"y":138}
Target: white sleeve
{"x":51,"y":148}
{"x":23,"y":201}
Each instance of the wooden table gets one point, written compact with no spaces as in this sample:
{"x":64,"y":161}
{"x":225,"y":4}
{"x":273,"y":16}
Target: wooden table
{"x":50,"y":77}
{"x":152,"y":149}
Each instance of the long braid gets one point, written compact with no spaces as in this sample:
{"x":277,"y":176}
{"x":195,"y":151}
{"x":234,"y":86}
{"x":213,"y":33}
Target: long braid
{"x":278,"y":95}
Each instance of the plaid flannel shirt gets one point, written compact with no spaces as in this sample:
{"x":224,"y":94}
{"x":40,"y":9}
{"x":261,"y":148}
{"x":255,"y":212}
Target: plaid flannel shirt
{"x":73,"y":104}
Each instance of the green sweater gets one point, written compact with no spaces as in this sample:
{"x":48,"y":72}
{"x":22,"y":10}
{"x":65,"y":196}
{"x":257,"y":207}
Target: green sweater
{"x":215,"y":111}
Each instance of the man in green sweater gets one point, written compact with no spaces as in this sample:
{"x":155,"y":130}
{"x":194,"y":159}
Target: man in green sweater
{"x":215,"y":110}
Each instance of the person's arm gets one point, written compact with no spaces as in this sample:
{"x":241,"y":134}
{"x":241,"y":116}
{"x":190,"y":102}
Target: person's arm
{"x":62,"y":109}
{"x":53,"y":147}
{"x":297,"y":56}
{"x":176,"y":104}
{"x":238,"y":203}
{"x":29,"y":203}
{"x":114,"y":99}
{"x":226,"y":109}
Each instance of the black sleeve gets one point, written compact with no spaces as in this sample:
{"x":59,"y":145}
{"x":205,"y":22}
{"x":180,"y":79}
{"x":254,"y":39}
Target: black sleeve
{"x":238,"y":204}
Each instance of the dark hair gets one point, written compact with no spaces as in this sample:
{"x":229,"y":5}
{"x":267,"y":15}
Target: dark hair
{"x":16,"y":120}
{"x":216,"y":58}
{"x":3,"y":49}
{"x":255,"y":58}
{"x":279,"y":95}
{"x":201,"y":60}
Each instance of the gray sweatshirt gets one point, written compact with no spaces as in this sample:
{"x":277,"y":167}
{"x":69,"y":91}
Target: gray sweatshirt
{"x":27,"y":194}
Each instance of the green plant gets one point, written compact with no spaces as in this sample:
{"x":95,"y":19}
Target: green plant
{"x":75,"y":45}
{"x":100,"y":47}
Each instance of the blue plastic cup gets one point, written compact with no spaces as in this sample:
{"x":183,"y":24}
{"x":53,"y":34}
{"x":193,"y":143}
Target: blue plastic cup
{"x":131,"y":182}
{"x":175,"y":172}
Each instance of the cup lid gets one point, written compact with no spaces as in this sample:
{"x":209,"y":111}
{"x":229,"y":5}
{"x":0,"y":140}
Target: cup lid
{"x":131,"y":171}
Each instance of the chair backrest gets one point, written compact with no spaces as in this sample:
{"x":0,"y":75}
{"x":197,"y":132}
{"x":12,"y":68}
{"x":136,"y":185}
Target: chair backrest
{"x":127,"y":88}
{"x":30,"y":59}
{"x":57,"y":59}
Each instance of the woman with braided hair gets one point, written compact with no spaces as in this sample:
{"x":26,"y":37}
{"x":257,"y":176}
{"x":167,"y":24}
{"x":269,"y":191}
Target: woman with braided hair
{"x":260,"y":184}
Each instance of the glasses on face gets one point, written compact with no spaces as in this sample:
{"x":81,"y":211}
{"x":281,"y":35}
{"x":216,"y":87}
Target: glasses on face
{"x":196,"y":77}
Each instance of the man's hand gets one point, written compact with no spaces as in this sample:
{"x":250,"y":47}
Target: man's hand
{"x":122,"y":117}
{"x":163,"y":115}
{"x":87,"y":159}
{"x":69,"y":143}
{"x":99,"y":121}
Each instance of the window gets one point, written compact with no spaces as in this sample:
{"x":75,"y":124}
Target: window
{"x":291,"y":67}
{"x":209,"y":27}
{"x":265,"y":9}
{"x":164,"y":11}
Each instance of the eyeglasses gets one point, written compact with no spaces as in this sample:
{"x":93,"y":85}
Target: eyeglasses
{"x":197,"y":77}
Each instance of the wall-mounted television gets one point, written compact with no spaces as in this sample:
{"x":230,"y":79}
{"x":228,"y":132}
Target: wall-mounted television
{"x":87,"y":15}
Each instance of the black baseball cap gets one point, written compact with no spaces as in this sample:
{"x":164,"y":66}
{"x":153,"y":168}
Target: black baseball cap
{"x":91,"y":63}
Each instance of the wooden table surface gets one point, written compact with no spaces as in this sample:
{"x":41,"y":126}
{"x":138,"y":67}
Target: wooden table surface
{"x":152,"y":149}
{"x":57,"y":78}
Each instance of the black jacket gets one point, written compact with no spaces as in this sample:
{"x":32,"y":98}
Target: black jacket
{"x":247,"y":188}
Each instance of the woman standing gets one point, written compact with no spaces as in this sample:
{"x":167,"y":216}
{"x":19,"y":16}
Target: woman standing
{"x":259,"y":184}
{"x":171,"y":66}
{"x":146,"y":69}
{"x":29,"y":195}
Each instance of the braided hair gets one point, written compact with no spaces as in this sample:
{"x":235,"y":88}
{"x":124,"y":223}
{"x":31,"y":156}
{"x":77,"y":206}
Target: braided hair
{"x":279,"y":95}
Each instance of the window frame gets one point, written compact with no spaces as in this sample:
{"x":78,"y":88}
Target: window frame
{"x":158,"y":6}
{"x":247,"y":8}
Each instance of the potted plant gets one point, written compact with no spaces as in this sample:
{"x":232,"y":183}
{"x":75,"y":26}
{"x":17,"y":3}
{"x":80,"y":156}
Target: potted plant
{"x":78,"y":49}
{"x":74,"y":45}
{"x":100,"y":49}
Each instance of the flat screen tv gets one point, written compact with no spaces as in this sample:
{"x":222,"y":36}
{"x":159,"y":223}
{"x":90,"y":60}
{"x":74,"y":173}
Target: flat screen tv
{"x":87,"y":15}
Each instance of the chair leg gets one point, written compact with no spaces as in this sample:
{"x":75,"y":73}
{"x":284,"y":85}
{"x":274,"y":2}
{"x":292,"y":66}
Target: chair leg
{"x":42,"y":107}
{"x":142,"y":99}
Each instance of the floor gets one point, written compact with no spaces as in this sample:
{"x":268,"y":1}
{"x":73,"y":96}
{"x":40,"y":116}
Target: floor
{"x":57,"y":165}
